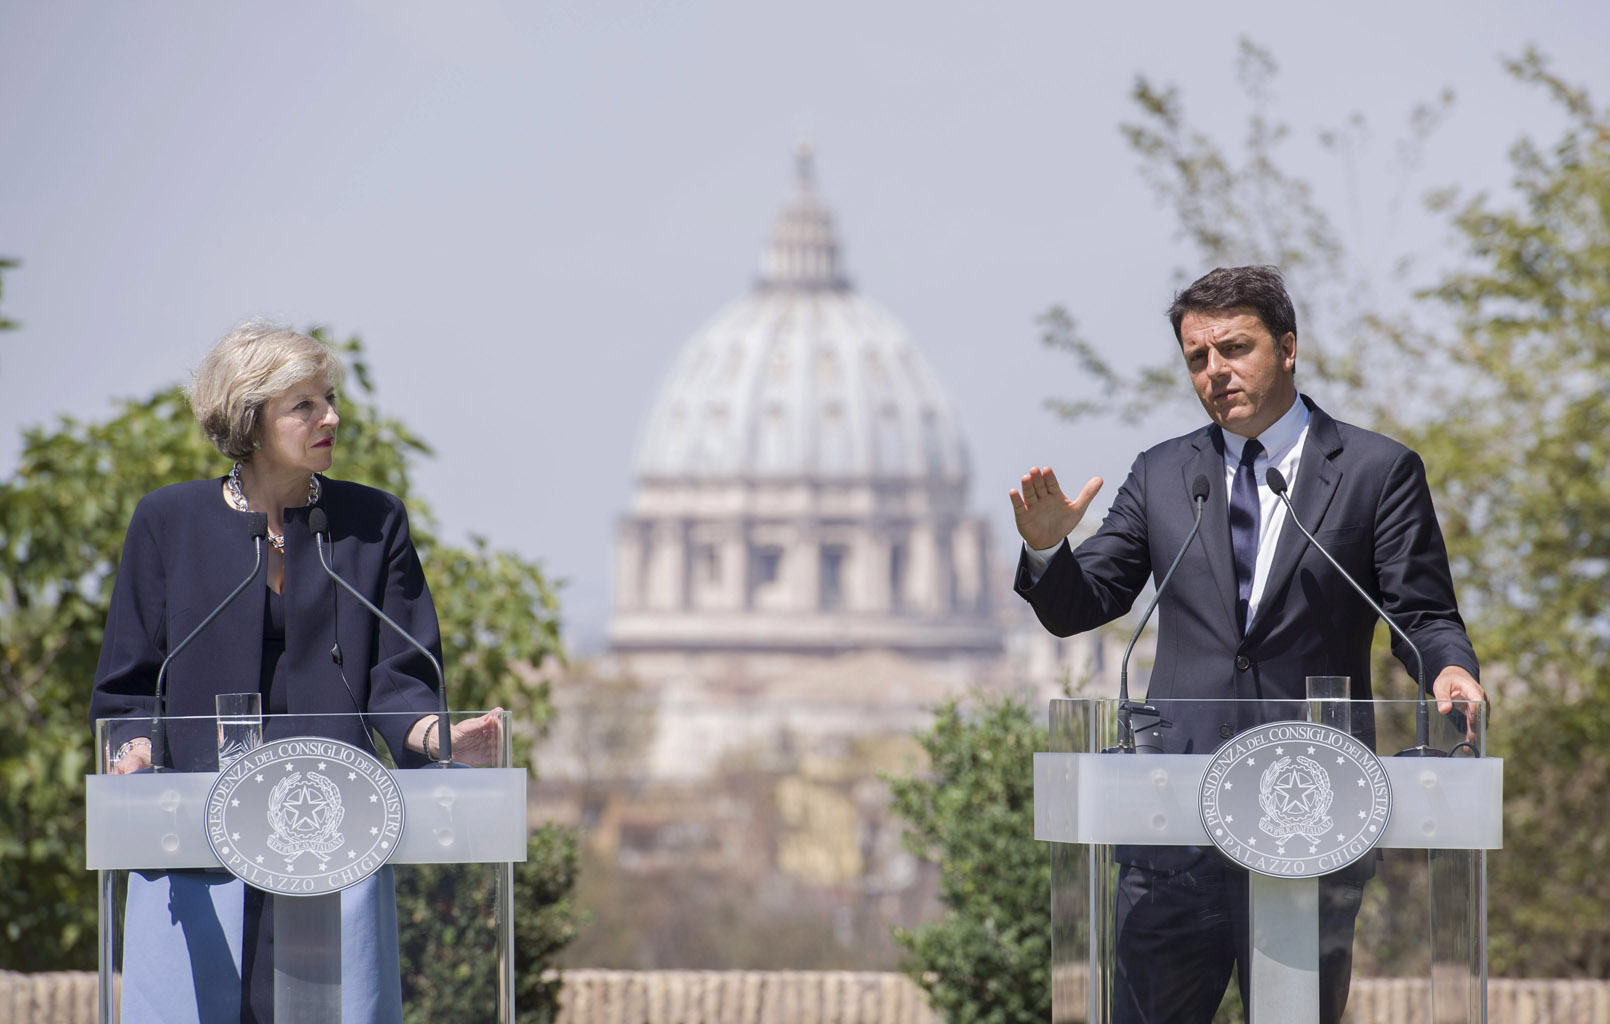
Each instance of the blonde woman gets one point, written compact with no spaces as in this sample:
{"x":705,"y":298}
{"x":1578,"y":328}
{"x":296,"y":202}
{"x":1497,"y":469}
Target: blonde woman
{"x":200,"y":944}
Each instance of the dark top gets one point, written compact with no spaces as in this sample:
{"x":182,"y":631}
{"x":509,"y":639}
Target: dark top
{"x":186,"y":549}
{"x":274,"y":701}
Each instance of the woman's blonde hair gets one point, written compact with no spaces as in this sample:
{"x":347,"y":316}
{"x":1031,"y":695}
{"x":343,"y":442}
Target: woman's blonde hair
{"x":250,"y":365}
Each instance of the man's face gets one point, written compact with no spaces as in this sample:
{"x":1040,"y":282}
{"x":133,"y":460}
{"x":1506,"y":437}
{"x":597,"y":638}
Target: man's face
{"x":1243,"y":376}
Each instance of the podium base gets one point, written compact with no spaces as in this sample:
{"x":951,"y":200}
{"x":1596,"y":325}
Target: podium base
{"x":307,"y":959}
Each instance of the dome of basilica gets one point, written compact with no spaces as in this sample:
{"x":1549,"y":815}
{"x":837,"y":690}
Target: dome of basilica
{"x":801,"y":485}
{"x":802,"y":378}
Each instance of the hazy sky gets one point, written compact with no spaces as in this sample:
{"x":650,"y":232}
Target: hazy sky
{"x":525,"y":209}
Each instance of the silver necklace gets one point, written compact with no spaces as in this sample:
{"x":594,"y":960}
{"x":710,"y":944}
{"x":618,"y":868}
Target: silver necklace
{"x":237,"y":500}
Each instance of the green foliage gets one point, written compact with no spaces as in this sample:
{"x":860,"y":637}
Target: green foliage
{"x":63,"y":513}
{"x":6,"y":324}
{"x":62,"y":517}
{"x":1521,"y":449}
{"x":447,"y":924}
{"x":499,"y":619}
{"x":989,"y":960}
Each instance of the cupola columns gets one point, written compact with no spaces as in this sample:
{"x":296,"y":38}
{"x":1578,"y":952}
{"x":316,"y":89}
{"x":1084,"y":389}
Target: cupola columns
{"x":802,"y":481}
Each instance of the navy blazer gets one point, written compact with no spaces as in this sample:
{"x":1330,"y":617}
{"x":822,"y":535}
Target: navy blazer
{"x":1364,"y":497}
{"x":186,"y":549}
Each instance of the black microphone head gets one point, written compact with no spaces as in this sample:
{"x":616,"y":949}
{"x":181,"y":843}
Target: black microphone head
{"x":1276,"y":482}
{"x":318,"y":522}
{"x":257,"y":524}
{"x":1199,"y":487}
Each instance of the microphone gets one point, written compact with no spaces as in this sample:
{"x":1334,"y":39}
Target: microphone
{"x":257,"y":527}
{"x":319,"y":524}
{"x":1422,"y":722}
{"x":1126,"y":733}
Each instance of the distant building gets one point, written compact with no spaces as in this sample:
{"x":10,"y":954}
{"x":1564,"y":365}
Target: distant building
{"x":798,"y":583}
{"x":802,"y":480}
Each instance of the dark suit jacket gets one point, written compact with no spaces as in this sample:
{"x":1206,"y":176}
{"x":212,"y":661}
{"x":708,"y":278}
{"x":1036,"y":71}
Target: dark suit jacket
{"x":186,"y":550}
{"x":1363,"y":496}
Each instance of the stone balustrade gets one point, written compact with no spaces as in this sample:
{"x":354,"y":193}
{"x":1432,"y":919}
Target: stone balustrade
{"x":842,"y":997}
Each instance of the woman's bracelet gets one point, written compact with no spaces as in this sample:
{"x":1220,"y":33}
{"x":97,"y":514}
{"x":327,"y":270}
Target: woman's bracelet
{"x":128,"y":748}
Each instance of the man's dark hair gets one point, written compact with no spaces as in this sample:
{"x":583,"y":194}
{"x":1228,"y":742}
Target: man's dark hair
{"x":1258,"y":288}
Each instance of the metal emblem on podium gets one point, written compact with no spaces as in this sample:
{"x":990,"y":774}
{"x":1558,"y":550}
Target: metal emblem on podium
{"x":1295,"y":799}
{"x":304,"y":816}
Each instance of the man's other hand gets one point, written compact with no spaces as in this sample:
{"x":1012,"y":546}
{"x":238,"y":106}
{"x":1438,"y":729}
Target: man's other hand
{"x":1455,"y":684}
{"x":1044,"y":514}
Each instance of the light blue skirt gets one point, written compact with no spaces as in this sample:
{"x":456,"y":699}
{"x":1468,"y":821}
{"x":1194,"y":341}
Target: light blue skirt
{"x":182,"y":939}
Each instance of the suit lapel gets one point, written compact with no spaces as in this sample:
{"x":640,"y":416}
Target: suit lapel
{"x":1214,"y":537}
{"x":1317,"y":478}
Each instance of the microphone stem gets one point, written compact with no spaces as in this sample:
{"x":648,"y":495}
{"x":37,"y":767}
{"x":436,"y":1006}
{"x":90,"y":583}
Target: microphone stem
{"x":159,"y":728}
{"x":1126,"y":735}
{"x":444,"y":732}
{"x":1422,"y":718}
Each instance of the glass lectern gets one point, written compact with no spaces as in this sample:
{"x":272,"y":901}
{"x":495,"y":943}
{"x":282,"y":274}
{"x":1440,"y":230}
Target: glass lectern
{"x":384,"y":884}
{"x":1283,"y":786}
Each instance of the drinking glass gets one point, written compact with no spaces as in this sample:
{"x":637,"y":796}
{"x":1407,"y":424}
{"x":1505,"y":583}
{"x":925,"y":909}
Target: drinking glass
{"x":240,"y":725}
{"x":1328,"y":702}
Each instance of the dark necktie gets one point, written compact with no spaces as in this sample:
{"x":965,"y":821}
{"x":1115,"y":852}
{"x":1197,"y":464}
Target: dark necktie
{"x":1244,"y":529}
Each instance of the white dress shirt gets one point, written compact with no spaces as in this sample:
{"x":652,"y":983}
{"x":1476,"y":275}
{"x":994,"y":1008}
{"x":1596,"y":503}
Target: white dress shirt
{"x":1283,"y":449}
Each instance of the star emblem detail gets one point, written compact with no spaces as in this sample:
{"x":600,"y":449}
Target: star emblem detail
{"x":1295,"y":792}
{"x":302,"y":809}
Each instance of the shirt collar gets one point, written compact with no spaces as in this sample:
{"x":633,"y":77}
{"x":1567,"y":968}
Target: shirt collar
{"x":1277,"y":439}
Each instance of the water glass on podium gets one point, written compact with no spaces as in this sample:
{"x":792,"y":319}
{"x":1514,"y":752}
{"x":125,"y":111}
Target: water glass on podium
{"x":1328,"y":702}
{"x":240,"y":725}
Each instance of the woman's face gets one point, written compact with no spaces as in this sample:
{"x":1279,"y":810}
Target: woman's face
{"x":297,"y":428}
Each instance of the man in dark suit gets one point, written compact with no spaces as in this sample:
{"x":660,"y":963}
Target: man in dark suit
{"x":1253,"y":610}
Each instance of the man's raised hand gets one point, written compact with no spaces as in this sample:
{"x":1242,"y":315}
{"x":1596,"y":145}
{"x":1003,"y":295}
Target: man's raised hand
{"x":1044,"y":514}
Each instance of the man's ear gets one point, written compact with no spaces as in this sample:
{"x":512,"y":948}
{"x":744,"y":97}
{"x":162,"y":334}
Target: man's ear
{"x":1288,"y":351}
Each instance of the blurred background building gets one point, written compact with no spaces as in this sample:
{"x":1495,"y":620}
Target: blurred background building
{"x":798,"y":582}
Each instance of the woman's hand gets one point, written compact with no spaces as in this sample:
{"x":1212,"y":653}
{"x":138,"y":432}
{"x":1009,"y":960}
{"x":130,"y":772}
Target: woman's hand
{"x":478,"y":742}
{"x":133,"y":756}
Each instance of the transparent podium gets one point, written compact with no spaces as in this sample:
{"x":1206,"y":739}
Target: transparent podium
{"x":356,"y":889}
{"x":1218,"y":824}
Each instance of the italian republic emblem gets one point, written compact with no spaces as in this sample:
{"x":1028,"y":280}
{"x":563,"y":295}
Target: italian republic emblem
{"x":304,"y":817}
{"x":1295,"y":799}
